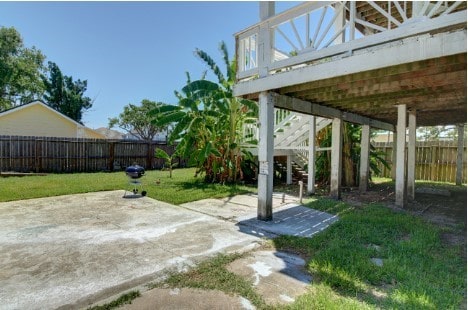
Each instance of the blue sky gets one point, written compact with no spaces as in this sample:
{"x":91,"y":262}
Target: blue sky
{"x":129,"y":51}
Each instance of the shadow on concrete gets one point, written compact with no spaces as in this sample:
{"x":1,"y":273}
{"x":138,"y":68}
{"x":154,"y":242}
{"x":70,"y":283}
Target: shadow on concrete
{"x":294,"y":267}
{"x":132,"y":196}
{"x":291,"y":220}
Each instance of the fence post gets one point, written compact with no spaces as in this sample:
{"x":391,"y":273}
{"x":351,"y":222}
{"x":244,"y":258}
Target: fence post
{"x":459,"y":172}
{"x":111,"y":156}
{"x":433,"y":163}
{"x":37,"y":157}
{"x":149,"y":156}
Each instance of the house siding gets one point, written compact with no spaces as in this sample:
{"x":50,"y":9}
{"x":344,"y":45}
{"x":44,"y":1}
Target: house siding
{"x":88,"y":133}
{"x":37,"y":120}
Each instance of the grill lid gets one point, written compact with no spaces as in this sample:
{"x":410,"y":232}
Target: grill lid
{"x":135,"y":171}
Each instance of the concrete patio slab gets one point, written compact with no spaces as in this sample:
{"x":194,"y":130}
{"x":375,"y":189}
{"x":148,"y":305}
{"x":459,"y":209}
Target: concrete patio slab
{"x":188,"y":299}
{"x":231,"y":208}
{"x":70,"y":251}
{"x":278,"y":276}
{"x":291,"y":219}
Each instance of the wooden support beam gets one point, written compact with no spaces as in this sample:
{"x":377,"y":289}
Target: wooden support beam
{"x":394,"y":154}
{"x":400,"y":181}
{"x":336,"y":156}
{"x":289,"y":170}
{"x":265,"y":157}
{"x":435,"y":46}
{"x":298,"y":105}
{"x":311,"y":163}
{"x":404,"y":71}
{"x":349,"y":93}
{"x":364,"y":160}
{"x":267,"y":9}
{"x":461,"y":133}
{"x":411,"y":154}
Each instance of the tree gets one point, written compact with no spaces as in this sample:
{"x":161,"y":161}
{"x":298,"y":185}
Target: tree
{"x":432,"y":133}
{"x":210,"y":122}
{"x":136,"y":120}
{"x":65,"y":95}
{"x":20,"y":70}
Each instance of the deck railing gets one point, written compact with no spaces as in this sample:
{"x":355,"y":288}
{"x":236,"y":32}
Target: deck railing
{"x":251,"y":132}
{"x":318,"y":31}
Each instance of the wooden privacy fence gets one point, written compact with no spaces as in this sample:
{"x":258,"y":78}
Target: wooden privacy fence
{"x":49,"y":154}
{"x":435,"y":160}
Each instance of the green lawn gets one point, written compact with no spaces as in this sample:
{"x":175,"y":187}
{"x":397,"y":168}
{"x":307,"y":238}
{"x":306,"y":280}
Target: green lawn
{"x":182,"y":187}
{"x":419,"y":270}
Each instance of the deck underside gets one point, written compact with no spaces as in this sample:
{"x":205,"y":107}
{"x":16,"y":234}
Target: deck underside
{"x":427,"y":72}
{"x":435,"y":88}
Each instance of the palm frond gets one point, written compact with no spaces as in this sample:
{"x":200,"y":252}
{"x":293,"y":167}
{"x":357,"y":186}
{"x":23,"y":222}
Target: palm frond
{"x":203,"y":76}
{"x":211,"y":64}
{"x":178,"y":95}
{"x":250,"y":104}
{"x":200,"y":85}
{"x":188,"y":103}
{"x":224,"y":52}
{"x":164,"y":109}
{"x":170,"y":117}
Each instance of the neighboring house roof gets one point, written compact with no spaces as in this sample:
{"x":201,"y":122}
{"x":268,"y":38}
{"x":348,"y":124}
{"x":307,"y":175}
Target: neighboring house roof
{"x":110,"y":133}
{"x":38,"y":119}
{"x":383,"y":137}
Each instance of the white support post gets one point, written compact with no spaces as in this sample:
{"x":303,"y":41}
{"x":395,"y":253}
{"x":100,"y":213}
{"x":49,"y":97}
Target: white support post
{"x":400,"y":180}
{"x":364,"y":160}
{"x":417,"y":7}
{"x":394,"y":155}
{"x":288,"y":170}
{"x":267,"y":9}
{"x":460,"y":151}
{"x":352,"y":20}
{"x":339,"y":23}
{"x":336,"y":155}
{"x":265,"y":157}
{"x":265,"y":39}
{"x":411,"y":154}
{"x":311,"y":163}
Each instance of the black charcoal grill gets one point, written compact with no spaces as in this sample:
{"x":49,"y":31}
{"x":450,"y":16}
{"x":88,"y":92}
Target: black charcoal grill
{"x":134,"y":173}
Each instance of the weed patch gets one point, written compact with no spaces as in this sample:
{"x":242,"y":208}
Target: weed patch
{"x":122,"y":300}
{"x":213,"y":275}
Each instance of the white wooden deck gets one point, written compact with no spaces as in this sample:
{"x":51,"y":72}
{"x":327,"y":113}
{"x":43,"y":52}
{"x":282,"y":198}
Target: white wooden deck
{"x":374,"y":63}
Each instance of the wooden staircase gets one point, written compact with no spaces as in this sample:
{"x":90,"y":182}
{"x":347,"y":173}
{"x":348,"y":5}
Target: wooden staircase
{"x":298,"y":172}
{"x":291,"y":137}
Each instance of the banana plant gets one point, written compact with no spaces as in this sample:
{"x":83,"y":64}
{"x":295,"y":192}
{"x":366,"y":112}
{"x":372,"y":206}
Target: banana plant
{"x":168,"y":159}
{"x":209,"y":122}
